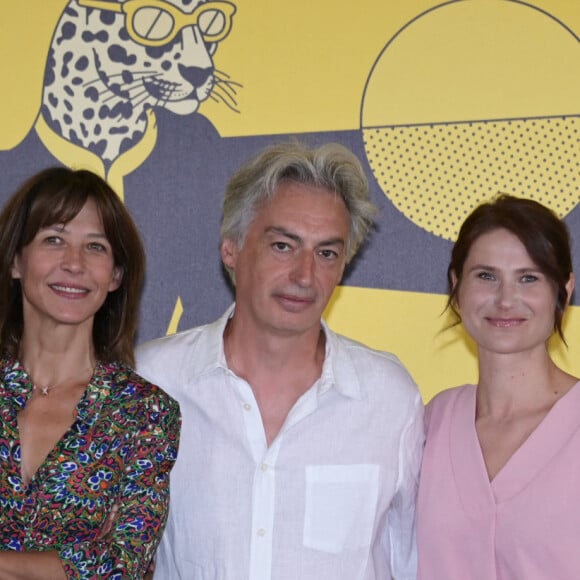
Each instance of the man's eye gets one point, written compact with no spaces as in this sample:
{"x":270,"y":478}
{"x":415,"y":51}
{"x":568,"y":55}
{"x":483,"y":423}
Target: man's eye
{"x":329,"y":254}
{"x":485,"y":275}
{"x":281,"y":246}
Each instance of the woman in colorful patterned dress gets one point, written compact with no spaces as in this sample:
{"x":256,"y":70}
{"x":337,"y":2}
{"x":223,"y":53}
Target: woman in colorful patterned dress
{"x":86,"y":445}
{"x":498,"y":497}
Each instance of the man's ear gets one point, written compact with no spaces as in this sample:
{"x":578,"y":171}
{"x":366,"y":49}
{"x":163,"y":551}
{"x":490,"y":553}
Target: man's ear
{"x":229,"y":253}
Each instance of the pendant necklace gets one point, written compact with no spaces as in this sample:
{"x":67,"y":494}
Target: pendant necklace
{"x":45,"y":390}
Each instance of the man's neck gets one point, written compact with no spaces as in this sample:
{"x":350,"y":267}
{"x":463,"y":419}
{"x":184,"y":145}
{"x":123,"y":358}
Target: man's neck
{"x":270,"y":353}
{"x":279,"y":369}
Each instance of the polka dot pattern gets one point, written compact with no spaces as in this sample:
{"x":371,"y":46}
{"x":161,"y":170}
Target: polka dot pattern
{"x":437,"y":174}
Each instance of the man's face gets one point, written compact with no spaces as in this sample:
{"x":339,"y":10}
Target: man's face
{"x":292,"y":258}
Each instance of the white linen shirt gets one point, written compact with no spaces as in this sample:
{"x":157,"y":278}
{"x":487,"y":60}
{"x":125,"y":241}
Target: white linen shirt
{"x":332,"y":497}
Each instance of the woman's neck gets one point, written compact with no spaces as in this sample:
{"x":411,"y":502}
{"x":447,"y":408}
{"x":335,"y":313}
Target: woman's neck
{"x":54,"y":359}
{"x":510,"y":383}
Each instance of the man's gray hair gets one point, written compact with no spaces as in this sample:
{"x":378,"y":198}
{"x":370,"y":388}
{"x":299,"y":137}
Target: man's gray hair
{"x":331,"y":166}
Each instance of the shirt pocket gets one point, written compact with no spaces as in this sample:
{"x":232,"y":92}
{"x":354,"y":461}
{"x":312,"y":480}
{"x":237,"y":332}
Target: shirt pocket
{"x":340,"y":506}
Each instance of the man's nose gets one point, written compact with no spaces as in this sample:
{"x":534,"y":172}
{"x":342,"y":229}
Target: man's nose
{"x":303,"y":270}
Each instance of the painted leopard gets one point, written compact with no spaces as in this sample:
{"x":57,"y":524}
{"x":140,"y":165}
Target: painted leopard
{"x":110,"y":61}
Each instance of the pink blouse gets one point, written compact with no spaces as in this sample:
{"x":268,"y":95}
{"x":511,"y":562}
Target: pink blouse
{"x":525,"y":523}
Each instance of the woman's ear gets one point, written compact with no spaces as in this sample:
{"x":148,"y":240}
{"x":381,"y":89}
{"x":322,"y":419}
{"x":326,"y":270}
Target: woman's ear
{"x":454,"y":281}
{"x":453,"y":277}
{"x":15,"y":268}
{"x":116,"y":279}
{"x":570,"y":287}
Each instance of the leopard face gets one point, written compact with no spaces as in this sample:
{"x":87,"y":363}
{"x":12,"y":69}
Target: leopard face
{"x":109,"y":63}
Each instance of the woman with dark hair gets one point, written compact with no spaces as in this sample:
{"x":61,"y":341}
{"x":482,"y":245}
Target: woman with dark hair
{"x":86,"y":445}
{"x":498,"y":497}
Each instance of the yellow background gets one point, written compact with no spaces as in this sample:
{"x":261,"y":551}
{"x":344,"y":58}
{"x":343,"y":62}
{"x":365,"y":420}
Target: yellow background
{"x":303,"y":66}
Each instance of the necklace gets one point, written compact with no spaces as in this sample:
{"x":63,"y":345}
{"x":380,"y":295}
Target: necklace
{"x":45,"y":390}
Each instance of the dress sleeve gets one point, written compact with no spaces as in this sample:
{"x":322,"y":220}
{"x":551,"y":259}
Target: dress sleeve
{"x":126,"y":551}
{"x":402,"y":544}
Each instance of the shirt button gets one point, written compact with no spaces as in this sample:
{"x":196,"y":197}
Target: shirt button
{"x":247,"y":406}
{"x":264,"y":467}
{"x":261,"y":532}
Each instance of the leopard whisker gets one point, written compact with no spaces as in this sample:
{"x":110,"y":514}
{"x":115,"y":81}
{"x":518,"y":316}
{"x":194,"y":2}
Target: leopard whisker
{"x":221,"y":73}
{"x":220,"y":94}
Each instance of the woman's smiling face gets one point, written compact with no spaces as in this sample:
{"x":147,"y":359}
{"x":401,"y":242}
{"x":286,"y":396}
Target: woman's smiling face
{"x":67,"y":270}
{"x":507,"y":303}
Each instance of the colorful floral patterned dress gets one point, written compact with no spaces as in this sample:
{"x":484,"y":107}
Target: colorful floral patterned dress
{"x":119,"y":450}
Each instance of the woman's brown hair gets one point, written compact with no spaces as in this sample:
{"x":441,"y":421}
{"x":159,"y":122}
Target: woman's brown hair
{"x":543,"y":234}
{"x":55,"y":196}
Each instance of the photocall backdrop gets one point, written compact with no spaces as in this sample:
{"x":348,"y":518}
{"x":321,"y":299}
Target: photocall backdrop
{"x":445,"y":103}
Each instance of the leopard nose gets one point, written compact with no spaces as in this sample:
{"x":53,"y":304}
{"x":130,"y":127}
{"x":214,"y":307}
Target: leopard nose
{"x":195,"y":75}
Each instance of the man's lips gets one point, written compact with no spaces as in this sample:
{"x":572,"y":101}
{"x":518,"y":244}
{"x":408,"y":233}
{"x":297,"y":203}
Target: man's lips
{"x":295,"y":299}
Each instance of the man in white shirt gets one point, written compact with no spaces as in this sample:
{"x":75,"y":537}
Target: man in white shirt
{"x":300,"y":449}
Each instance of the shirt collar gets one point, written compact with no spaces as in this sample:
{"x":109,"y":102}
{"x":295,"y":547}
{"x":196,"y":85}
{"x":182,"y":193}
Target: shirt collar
{"x":210,"y":354}
{"x":338,"y":370}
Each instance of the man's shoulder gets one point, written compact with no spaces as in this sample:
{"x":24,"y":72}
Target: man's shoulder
{"x":172,"y":344}
{"x":177,"y":359}
{"x":361,"y":354}
{"x":376,"y":370}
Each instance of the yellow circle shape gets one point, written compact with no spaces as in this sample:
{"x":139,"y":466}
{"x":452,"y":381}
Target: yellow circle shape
{"x":473,"y":98}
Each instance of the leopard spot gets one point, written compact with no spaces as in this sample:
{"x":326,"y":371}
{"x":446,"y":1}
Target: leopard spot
{"x":119,"y":53}
{"x":98,"y":147}
{"x":107,"y":18}
{"x":116,"y":88}
{"x":101,"y":36}
{"x":52,"y":123}
{"x":92,"y":94}
{"x":67,"y":57}
{"x":124,"y":110}
{"x":82,"y":63}
{"x":129,"y":143}
{"x":49,"y":74}
{"x":74,"y":138}
{"x":68,"y":31}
